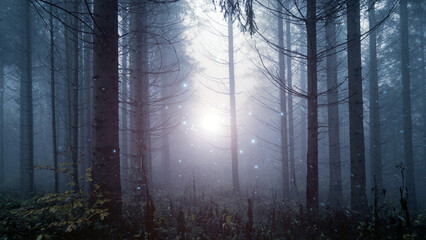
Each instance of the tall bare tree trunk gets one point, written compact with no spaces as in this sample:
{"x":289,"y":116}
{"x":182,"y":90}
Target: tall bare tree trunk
{"x":26,"y":111}
{"x":53,"y":102}
{"x":2,"y":159}
{"x":303,"y":103}
{"x":87,"y":97}
{"x":283,"y":104}
{"x":406,"y":107}
{"x":335,"y":196}
{"x":165,"y":141}
{"x":292,"y":172}
{"x":356,"y":121}
{"x":312,"y":155}
{"x":124,"y":141}
{"x":74,"y":96}
{"x":421,"y":30}
{"x":140,"y":98}
{"x":67,"y":157}
{"x":375,"y":142}
{"x":233,"y":111}
{"x":105,"y":146}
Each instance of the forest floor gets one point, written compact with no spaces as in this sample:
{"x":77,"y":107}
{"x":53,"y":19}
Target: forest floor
{"x":213,"y":214}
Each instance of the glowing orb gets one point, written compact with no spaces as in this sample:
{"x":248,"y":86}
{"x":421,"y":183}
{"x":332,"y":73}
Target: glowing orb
{"x":211,"y":123}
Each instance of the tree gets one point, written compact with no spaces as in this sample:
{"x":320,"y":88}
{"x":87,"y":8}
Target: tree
{"x":26,"y":106}
{"x":87,"y":92}
{"x":2,"y":90}
{"x":124,"y":98}
{"x":422,"y":75}
{"x":105,"y":146}
{"x":283,"y":104}
{"x":53,"y":102}
{"x":2,"y":159}
{"x":312,"y":154}
{"x":140,"y":97}
{"x":356,"y":124}
{"x":335,"y":195}
{"x":375,"y":143}
{"x":406,"y":107}
{"x":233,"y":111}
{"x":74,"y":93}
{"x":292,"y":173}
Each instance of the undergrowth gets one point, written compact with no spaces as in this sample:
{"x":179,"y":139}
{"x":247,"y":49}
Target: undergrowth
{"x":219,"y":214}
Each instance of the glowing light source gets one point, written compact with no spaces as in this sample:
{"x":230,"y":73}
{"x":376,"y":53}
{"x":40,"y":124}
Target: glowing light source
{"x":211,"y":123}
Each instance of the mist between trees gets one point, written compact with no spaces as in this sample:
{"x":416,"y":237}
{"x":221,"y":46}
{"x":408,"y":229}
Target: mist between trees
{"x":143,"y":116}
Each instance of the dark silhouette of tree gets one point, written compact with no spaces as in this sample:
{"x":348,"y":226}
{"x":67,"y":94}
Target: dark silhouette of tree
{"x":356,"y":120}
{"x":335,"y":194}
{"x":105,"y":146}
{"x":406,"y":107}
{"x":283,"y":104}
{"x":26,"y":105}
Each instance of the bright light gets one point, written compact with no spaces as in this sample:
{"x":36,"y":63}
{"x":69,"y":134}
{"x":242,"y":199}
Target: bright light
{"x":211,"y":123}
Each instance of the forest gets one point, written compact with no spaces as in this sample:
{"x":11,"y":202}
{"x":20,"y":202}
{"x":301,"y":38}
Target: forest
{"x":212,"y":119}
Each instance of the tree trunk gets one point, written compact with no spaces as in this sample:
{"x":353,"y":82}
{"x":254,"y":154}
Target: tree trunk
{"x":53,"y":103}
{"x":292,"y":173}
{"x":2,"y":159}
{"x":312,"y":155}
{"x":406,"y":108}
{"x":283,"y":100}
{"x":165,"y":142}
{"x":233,"y":112}
{"x":124,"y":141}
{"x":140,"y":86}
{"x":356,"y":124}
{"x":74,"y":96}
{"x":26,"y":111}
{"x":87,"y":97}
{"x":335,"y":196}
{"x":423,"y":72}
{"x":303,"y":105}
{"x":375,"y":143}
{"x":105,"y":146}
{"x":67,"y":150}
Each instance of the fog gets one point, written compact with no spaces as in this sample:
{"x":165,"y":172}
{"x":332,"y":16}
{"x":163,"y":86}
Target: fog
{"x":255,"y":107}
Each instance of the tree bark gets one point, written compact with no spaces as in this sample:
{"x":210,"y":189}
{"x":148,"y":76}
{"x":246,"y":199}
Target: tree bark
{"x":140,"y":101}
{"x":421,"y":30}
{"x":87,"y":97}
{"x":67,"y":157}
{"x":165,"y":141}
{"x":26,"y":111}
{"x":292,"y":173}
{"x":335,"y":195}
{"x":105,"y":148}
{"x":406,"y":107}
{"x":303,"y":103}
{"x":283,"y":104}
{"x":312,"y":155}
{"x":233,"y":111}
{"x":356,"y":124}
{"x":53,"y":103}
{"x":2,"y":159}
{"x":74,"y":96}
{"x":375,"y":142}
{"x":124,"y":141}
